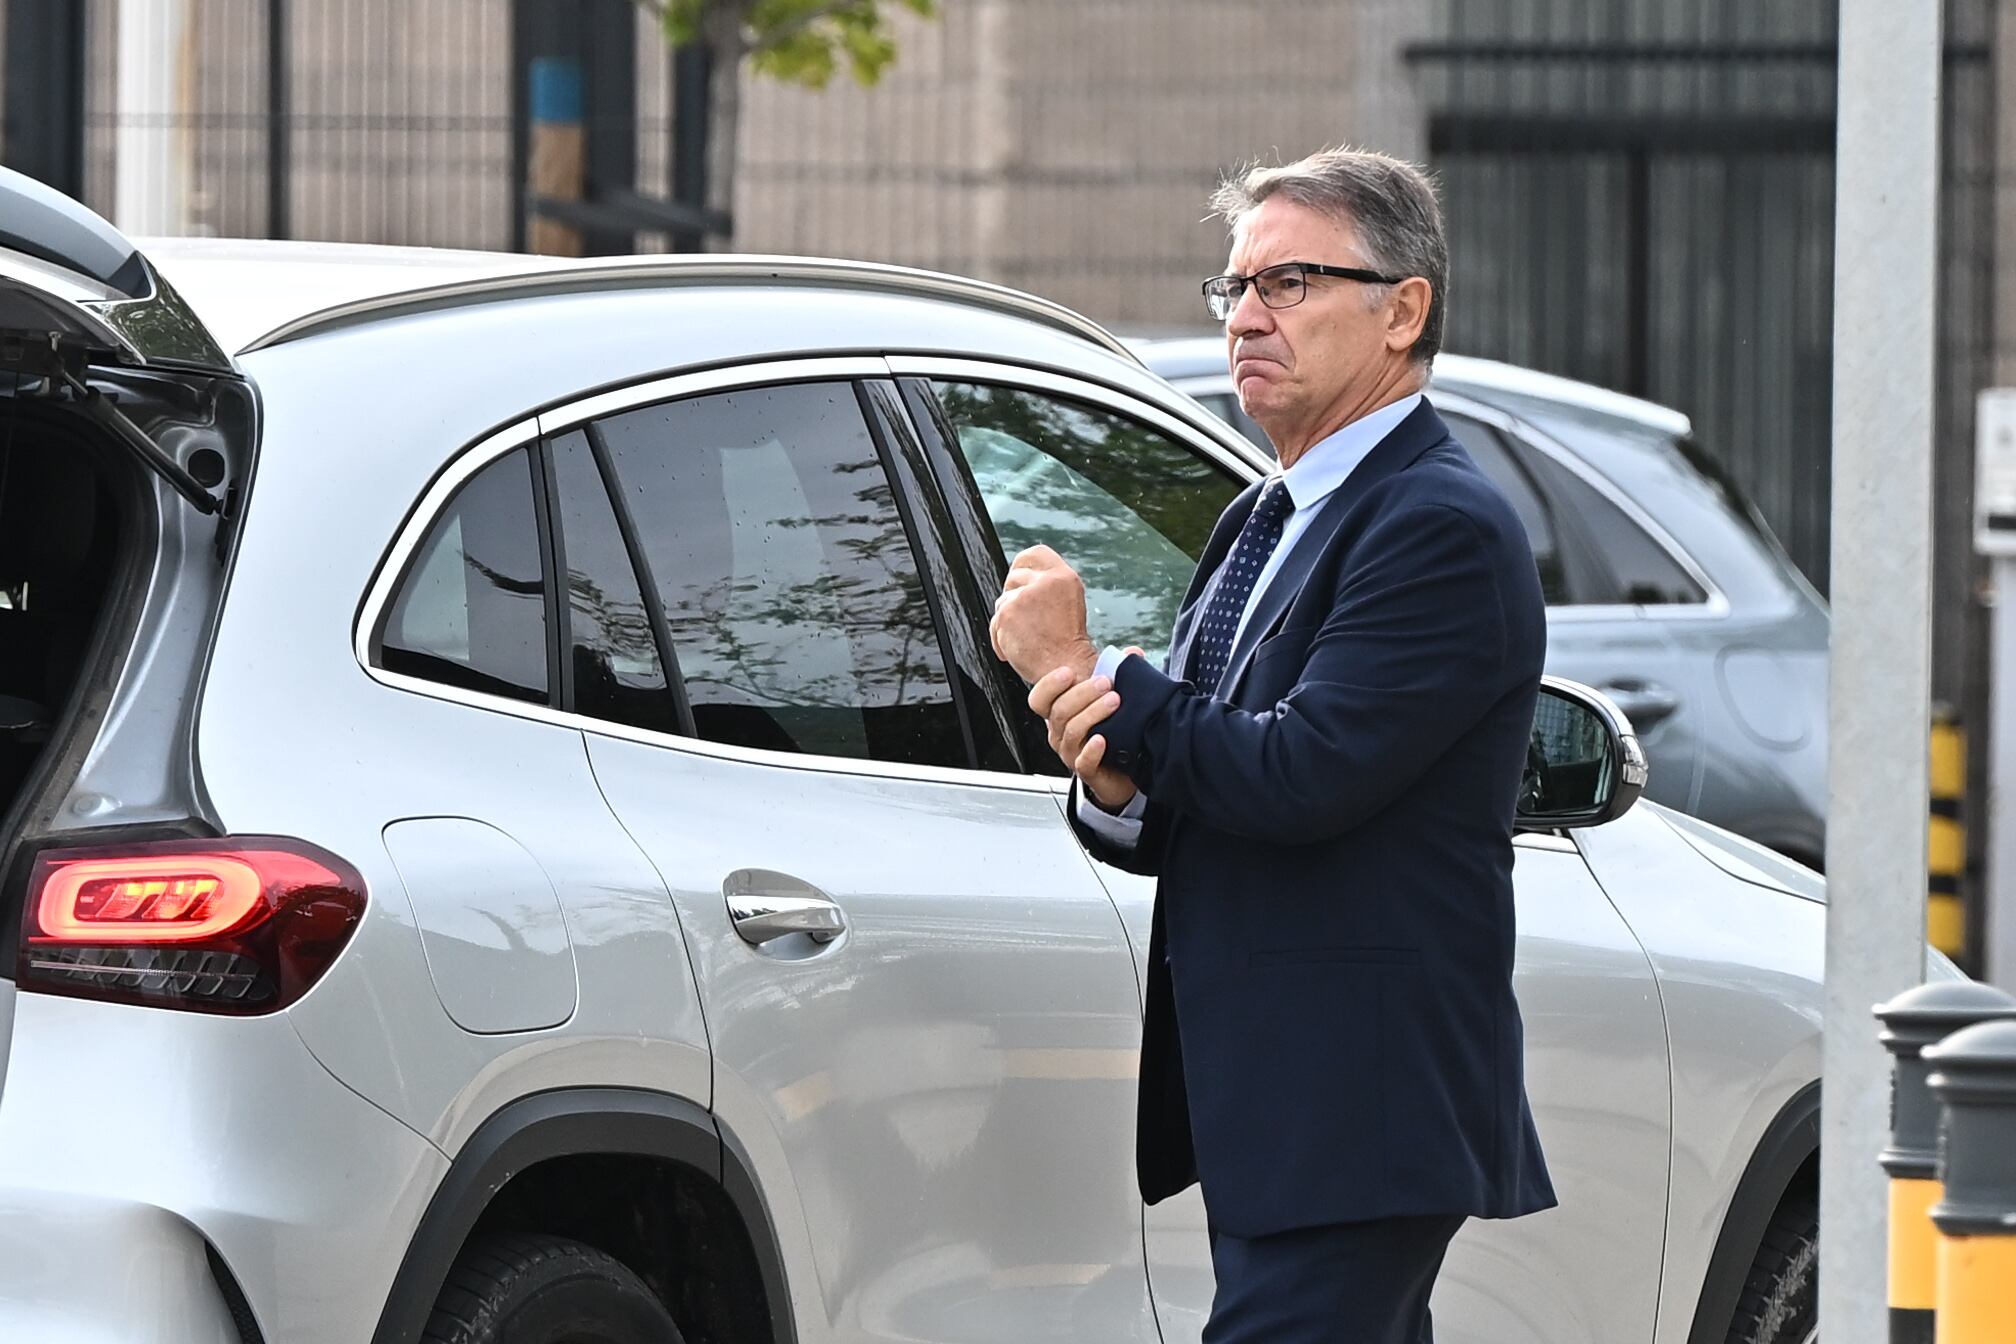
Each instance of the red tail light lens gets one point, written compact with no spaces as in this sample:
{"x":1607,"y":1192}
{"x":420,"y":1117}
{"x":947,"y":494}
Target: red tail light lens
{"x":241,"y":925}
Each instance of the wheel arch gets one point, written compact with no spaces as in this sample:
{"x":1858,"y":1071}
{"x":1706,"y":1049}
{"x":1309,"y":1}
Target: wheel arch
{"x":573,"y":1123}
{"x":1789,"y":1145}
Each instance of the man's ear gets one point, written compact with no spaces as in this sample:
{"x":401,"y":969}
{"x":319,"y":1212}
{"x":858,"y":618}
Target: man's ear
{"x":1407,"y":312}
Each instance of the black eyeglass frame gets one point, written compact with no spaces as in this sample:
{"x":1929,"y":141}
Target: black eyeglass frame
{"x":1306,"y":268}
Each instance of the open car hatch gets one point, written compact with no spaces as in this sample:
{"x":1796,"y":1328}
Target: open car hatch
{"x":75,"y":296}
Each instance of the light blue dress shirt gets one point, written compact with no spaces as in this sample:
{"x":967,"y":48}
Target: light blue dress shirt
{"x":1316,"y":476}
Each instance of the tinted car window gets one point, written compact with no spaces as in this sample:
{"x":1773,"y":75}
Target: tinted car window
{"x":1130,"y":508}
{"x":796,"y":611}
{"x":471,"y":609}
{"x":1495,"y":460}
{"x":612,"y":652}
{"x":1639,"y":569}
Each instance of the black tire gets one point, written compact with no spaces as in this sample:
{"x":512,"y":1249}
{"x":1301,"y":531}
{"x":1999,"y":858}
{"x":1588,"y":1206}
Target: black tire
{"x":545,"y":1290}
{"x":1781,"y":1298}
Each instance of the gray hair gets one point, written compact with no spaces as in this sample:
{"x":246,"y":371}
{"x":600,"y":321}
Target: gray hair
{"x":1388,"y":203}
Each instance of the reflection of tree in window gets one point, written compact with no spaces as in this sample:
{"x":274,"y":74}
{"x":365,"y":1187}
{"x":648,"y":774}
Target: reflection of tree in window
{"x":614,"y":655}
{"x":1129,"y":508}
{"x":794,"y":602}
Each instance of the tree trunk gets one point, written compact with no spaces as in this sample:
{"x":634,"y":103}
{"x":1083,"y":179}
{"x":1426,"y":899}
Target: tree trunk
{"x":721,"y":30}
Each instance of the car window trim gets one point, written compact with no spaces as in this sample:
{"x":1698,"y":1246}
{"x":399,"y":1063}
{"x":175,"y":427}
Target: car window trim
{"x":640,"y":571}
{"x":924,"y":373}
{"x":553,"y":564}
{"x":1240,"y":459}
{"x":483,"y":451}
{"x":633,"y":550}
{"x":922,"y":555}
{"x":981,"y":547}
{"x":944,"y":554}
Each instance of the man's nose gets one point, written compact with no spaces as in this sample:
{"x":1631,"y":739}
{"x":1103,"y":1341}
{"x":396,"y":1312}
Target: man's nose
{"x":1250,"y":317}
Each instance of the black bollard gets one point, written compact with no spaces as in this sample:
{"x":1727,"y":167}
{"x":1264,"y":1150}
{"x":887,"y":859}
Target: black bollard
{"x":1974,"y":1078}
{"x":1917,"y":1018}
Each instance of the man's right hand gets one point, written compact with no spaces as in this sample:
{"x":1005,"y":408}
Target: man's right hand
{"x":1073,"y":708}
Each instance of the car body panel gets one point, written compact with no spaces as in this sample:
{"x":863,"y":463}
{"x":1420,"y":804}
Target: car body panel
{"x":1740,"y":973}
{"x":112,"y":1178}
{"x":895,"y":1086}
{"x":291,"y":724}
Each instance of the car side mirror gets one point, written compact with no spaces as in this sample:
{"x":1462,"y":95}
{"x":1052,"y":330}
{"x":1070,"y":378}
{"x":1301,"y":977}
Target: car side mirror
{"x":1583,"y":763}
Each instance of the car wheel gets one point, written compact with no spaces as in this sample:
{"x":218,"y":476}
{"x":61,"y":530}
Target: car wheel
{"x":1781,"y":1298}
{"x":545,"y":1290}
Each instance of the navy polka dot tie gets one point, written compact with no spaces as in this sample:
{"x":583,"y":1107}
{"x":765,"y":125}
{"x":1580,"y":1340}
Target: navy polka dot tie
{"x":1212,"y":645}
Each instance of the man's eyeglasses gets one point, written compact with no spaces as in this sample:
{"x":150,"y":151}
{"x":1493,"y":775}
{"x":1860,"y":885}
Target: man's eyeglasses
{"x":1281,"y":286}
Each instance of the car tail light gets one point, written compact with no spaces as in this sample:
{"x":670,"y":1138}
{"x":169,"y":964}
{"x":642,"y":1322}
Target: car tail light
{"x":237,"y":925}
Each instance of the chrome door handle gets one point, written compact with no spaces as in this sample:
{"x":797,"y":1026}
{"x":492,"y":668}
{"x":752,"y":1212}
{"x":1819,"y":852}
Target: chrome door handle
{"x":765,"y":906}
{"x":1643,"y":702}
{"x":758,"y":919}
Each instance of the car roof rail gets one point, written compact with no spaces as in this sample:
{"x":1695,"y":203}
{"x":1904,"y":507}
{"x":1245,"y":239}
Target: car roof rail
{"x":597,"y":275}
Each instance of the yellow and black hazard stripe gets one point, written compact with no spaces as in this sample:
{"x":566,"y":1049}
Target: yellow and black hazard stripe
{"x":1946,"y":847}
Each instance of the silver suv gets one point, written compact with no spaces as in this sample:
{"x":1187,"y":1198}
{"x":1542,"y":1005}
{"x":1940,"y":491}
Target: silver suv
{"x":1665,"y":587}
{"x":510,"y":823}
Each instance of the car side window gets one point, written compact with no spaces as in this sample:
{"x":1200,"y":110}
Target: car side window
{"x":796,"y":611}
{"x":1638,"y":569}
{"x":1130,"y":508}
{"x":1495,"y":460}
{"x":471,"y":609}
{"x":615,"y":671}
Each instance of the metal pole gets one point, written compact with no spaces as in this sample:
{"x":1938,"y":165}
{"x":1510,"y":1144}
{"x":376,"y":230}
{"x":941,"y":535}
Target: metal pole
{"x":691,"y":74}
{"x":1886,"y":245}
{"x":42,"y":84}
{"x":151,"y":178}
{"x":2001,"y":912}
{"x":279,"y":137}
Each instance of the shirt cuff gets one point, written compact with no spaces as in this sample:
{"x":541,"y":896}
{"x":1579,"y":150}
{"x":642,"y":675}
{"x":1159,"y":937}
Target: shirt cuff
{"x":1121,"y":829}
{"x":1109,"y":662}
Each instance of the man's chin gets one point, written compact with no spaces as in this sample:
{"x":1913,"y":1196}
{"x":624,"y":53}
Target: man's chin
{"x":1256,"y":398}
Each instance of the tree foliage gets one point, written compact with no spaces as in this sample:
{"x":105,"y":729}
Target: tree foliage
{"x":798,"y":41}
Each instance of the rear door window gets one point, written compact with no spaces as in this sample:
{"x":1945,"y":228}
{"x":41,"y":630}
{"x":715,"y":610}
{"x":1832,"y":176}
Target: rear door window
{"x":1494,"y":458}
{"x":614,"y":669}
{"x":797,"y":613}
{"x":1637,"y":568}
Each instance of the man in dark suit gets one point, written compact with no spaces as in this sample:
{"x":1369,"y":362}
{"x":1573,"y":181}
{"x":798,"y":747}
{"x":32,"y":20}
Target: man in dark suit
{"x":1323,"y":780}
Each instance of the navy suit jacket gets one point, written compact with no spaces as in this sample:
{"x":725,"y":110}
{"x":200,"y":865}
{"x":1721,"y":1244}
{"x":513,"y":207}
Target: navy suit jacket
{"x":1330,"y":1030}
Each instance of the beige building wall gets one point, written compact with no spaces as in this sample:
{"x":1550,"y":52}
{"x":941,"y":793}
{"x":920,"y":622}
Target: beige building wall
{"x":1068,"y":146}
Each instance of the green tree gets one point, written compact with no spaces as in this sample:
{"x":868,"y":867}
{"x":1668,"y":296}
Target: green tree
{"x":804,"y":42}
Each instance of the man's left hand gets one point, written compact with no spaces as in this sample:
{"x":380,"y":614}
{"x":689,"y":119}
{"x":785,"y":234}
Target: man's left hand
{"x":1039,"y":619}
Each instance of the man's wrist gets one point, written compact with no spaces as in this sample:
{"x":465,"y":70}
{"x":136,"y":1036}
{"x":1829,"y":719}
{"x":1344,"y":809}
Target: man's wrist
{"x":1114,"y":808}
{"x":1084,"y":657}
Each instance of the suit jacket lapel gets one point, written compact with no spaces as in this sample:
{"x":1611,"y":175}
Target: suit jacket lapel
{"x":1283,"y":588}
{"x":1420,"y":431}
